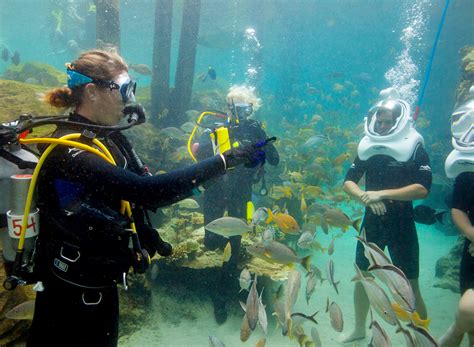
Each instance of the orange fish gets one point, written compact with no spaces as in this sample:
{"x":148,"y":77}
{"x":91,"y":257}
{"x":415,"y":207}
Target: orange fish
{"x":285,"y":222}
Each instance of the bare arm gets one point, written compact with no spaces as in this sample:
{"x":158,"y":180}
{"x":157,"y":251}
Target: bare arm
{"x":353,"y":190}
{"x":408,"y":193}
{"x":462,"y":222}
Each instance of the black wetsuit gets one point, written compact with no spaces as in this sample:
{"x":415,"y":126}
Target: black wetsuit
{"x":396,"y":228}
{"x":82,"y":249}
{"x":463,"y":199}
{"x":231,"y":192}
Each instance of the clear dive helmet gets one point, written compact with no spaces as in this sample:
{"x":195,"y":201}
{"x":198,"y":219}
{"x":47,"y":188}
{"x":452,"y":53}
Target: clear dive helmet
{"x":462,"y":125}
{"x":389,"y":129}
{"x":387,"y":119}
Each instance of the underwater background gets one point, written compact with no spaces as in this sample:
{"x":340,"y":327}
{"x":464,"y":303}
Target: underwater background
{"x":318,"y":66}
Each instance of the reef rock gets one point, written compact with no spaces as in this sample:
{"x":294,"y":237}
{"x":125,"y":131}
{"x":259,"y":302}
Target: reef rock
{"x":19,"y":98}
{"x":467,"y":74}
{"x":447,"y":268}
{"x":36,"y":73}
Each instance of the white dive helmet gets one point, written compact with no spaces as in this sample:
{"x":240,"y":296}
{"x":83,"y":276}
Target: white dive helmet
{"x":461,"y":159}
{"x":401,"y":141}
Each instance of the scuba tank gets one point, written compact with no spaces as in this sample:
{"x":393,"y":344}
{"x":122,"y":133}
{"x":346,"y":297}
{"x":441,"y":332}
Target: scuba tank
{"x":14,"y":183}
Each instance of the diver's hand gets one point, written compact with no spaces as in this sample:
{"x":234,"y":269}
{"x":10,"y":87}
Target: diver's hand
{"x":136,"y":112}
{"x":471,"y":249}
{"x":249,"y":155}
{"x":378,"y":208}
{"x":371,"y":196}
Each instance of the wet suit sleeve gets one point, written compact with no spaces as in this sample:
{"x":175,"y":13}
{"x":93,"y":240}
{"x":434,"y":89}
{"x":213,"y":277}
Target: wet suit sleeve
{"x":98,"y":175}
{"x":461,"y":193}
{"x":422,"y":174}
{"x":356,"y":171}
{"x":271,"y":153}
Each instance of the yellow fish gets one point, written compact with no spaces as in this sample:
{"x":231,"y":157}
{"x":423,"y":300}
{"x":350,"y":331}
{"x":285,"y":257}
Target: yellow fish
{"x":303,"y":206}
{"x":227,"y":253}
{"x":410,"y":317}
{"x":312,"y":191}
{"x":281,"y":191}
{"x":340,"y":159}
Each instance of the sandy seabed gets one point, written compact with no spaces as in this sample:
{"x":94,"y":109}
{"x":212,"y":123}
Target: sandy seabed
{"x":195,"y":331}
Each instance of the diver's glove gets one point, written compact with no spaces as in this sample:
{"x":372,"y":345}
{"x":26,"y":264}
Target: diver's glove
{"x":249,"y":155}
{"x":136,"y":112}
{"x":152,"y":242}
{"x":162,"y":247}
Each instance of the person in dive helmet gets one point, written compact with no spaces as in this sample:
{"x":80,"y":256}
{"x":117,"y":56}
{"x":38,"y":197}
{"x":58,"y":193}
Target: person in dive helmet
{"x":233,"y":191}
{"x":82,"y":251}
{"x":460,"y":166}
{"x":397,"y":171}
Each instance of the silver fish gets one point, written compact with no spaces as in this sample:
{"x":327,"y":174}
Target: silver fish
{"x":315,"y":337}
{"x":245,"y":330}
{"x":410,"y":340}
{"x":310,"y":285}
{"x":187,"y":127}
{"x":276,"y":252}
{"x":292,"y":289}
{"x":189,"y":204}
{"x":25,"y":310}
{"x":251,"y":306}
{"x":423,"y":337}
{"x":331,"y":247}
{"x":228,"y":226}
{"x":299,"y":318}
{"x":379,"y":335}
{"x":262,"y":315}
{"x":318,"y":273}
{"x":245,"y":279}
{"x":259,"y":216}
{"x":373,"y":252}
{"x":305,"y":240}
{"x":398,"y":284}
{"x":172,"y":132}
{"x":268,"y":235}
{"x":377,"y":297}
{"x":335,"y":316}
{"x":154,"y":271}
{"x":330,"y":274}
{"x":279,"y":306}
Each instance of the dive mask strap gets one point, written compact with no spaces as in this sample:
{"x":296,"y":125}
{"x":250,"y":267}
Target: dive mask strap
{"x":76,"y":79}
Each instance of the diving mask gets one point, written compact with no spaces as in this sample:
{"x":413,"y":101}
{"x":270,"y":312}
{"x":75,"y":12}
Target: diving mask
{"x":124,"y":84}
{"x":241,"y":110}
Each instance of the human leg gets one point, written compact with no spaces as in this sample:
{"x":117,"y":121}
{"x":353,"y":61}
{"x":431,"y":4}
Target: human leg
{"x":405,"y":253}
{"x":361,"y":301}
{"x":464,"y":323}
{"x":419,"y":302}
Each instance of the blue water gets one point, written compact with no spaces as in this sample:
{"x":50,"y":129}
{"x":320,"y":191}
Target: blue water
{"x":322,"y":44}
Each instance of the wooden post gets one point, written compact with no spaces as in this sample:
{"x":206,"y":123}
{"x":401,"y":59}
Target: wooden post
{"x":181,"y":95}
{"x":107,"y":23}
{"x":161,"y":59}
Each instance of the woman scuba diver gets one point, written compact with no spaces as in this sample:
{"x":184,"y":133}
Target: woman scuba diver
{"x":82,"y":251}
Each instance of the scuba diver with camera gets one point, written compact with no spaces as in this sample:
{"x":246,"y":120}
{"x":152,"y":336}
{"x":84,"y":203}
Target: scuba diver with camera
{"x":93,"y":192}
{"x":232,"y":193}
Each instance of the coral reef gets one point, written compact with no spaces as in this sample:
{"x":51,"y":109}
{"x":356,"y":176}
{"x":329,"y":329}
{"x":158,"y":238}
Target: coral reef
{"x":35,"y":73}
{"x":134,"y":303}
{"x":447,"y":268}
{"x":13,"y":331}
{"x":467,"y":74}
{"x":19,"y":98}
